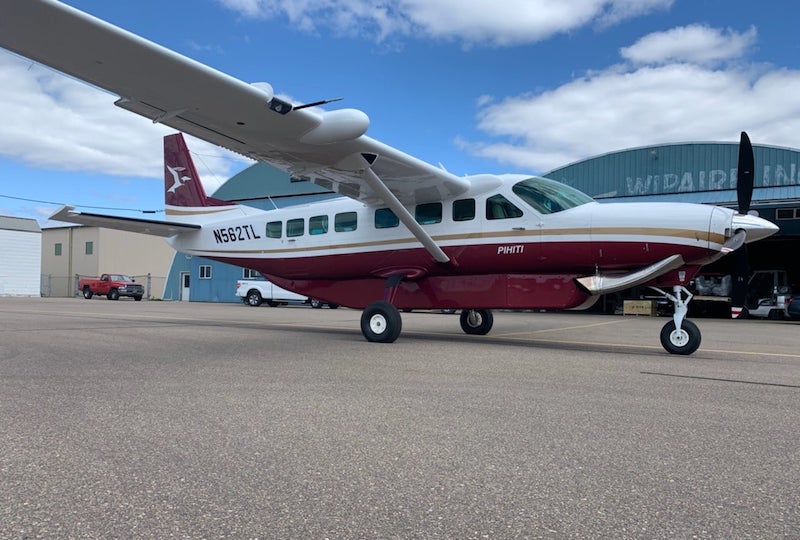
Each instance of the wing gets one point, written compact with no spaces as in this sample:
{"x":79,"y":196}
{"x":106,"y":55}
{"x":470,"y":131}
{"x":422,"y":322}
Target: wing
{"x":326,"y":147}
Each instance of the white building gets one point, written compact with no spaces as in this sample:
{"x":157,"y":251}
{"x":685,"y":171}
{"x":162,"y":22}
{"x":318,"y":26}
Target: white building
{"x":20,"y":265}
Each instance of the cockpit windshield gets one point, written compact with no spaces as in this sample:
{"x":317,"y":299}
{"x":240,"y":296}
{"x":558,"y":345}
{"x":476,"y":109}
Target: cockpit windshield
{"x":548,"y":196}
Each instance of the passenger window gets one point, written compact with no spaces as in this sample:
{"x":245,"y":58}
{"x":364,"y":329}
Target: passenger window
{"x":345,"y":222}
{"x":295,"y":227}
{"x":385,"y":218}
{"x":464,"y":210}
{"x":498,"y":207}
{"x":318,"y":225}
{"x":274,"y":229}
{"x":428,"y":213}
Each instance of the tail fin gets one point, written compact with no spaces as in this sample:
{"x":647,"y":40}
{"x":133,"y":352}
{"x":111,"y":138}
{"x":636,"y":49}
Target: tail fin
{"x":182,"y":186}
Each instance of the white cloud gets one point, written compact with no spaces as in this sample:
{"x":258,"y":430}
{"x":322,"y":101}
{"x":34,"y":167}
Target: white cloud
{"x":58,"y":123}
{"x":695,"y":43}
{"x":497,"y":22}
{"x":634,"y":105}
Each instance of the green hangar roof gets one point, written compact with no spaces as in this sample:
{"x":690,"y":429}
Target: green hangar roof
{"x":693,"y":172}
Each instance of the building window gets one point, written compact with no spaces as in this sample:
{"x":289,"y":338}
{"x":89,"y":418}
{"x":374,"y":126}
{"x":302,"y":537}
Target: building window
{"x":205,"y":271}
{"x":274,"y":229}
{"x":429,"y":213}
{"x":787,"y":213}
{"x":464,"y":210}
{"x":498,"y":207}
{"x":249,"y":273}
{"x":58,"y":249}
{"x":89,"y":248}
{"x":385,"y":218}
{"x":318,"y":225}
{"x":345,"y":222}
{"x":295,"y":227}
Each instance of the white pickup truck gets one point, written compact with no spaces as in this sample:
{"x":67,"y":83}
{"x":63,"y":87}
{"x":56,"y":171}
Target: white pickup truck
{"x":257,"y":291}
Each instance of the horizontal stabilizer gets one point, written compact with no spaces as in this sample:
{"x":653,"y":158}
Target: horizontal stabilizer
{"x":599,"y":284}
{"x":144,"y":226}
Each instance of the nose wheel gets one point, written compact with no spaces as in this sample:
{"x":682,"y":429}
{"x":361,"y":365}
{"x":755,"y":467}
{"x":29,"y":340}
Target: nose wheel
{"x":683,"y":340}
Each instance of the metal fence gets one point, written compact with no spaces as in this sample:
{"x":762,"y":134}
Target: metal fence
{"x":66,"y":286}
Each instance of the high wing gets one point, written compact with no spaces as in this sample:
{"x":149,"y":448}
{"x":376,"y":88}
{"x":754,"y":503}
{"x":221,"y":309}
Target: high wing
{"x":145,"y":226}
{"x":326,"y":147}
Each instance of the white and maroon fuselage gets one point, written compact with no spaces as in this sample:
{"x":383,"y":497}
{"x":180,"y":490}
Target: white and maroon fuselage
{"x":530,"y":260}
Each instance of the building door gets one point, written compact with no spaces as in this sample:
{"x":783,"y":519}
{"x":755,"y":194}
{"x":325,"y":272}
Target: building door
{"x":185,"y":277}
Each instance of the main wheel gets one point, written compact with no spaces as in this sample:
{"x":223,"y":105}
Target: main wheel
{"x":683,"y":341}
{"x":254,"y":298}
{"x":381,"y":322}
{"x":87,"y":293}
{"x":477,"y":322}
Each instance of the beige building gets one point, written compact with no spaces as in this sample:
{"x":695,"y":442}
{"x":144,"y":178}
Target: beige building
{"x":70,"y":252}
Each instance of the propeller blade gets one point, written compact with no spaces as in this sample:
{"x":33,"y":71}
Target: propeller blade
{"x":740,"y":275}
{"x":745,"y":174}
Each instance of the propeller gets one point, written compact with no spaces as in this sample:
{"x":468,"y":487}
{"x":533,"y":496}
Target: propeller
{"x":744,"y":195}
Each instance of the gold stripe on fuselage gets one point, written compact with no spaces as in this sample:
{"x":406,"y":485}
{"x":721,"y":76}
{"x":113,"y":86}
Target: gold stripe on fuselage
{"x":703,"y":236}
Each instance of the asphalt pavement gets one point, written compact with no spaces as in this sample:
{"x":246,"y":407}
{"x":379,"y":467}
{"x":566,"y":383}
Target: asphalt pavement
{"x":185,"y":420}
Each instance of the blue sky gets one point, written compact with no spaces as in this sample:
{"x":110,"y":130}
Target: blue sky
{"x":479,"y":86}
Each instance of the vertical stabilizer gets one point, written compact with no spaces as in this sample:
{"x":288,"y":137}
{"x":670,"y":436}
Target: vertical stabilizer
{"x":182,"y":186}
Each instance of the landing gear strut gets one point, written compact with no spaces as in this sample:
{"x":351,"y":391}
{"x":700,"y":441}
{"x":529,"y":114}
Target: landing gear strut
{"x":679,"y":336}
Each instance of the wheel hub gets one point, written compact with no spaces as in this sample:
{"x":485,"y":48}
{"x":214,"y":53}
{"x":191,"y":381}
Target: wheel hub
{"x":679,"y":338}
{"x":377,"y":323}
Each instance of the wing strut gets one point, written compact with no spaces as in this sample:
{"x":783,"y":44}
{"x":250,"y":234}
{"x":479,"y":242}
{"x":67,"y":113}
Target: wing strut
{"x":383,"y":192}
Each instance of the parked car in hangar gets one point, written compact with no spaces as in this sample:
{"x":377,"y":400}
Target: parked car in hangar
{"x":793,"y":309}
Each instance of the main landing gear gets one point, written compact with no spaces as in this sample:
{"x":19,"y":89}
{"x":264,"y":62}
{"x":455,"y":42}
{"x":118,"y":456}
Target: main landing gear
{"x":679,"y":336}
{"x":381,"y":321}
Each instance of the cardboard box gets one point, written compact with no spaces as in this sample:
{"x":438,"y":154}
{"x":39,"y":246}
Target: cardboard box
{"x":639,"y":307}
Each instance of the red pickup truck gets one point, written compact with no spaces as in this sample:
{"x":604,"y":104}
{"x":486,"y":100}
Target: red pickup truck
{"x":111,"y":285}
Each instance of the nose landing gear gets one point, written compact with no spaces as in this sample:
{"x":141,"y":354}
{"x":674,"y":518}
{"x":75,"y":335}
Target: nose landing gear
{"x":679,"y":336}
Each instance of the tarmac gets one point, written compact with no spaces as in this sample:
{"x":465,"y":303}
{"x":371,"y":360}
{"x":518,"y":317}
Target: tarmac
{"x":123,"y":419}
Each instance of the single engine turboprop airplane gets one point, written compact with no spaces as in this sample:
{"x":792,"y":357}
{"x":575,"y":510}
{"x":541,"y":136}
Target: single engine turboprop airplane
{"x":407,"y":235}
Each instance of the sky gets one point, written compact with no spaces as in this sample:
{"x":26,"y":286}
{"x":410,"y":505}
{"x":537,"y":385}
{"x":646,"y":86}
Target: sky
{"x":476,"y":86}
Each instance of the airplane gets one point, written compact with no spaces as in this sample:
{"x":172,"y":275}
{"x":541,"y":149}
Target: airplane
{"x":406,"y":234}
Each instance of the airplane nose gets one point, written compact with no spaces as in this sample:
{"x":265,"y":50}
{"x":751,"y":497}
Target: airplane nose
{"x":755,"y":227}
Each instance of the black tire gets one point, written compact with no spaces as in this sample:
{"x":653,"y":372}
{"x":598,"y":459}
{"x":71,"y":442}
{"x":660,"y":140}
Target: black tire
{"x":316,"y":304}
{"x":333,"y":306}
{"x":273,"y":303}
{"x":476,"y":322}
{"x":381,"y":322}
{"x":684,"y":342}
{"x":253,"y":298}
{"x":138,"y":298}
{"x":113,"y":294}
{"x":87,"y":293}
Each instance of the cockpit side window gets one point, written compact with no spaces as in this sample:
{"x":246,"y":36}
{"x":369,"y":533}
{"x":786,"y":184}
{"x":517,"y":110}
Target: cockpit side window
{"x":548,"y":196}
{"x":498,"y":207}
